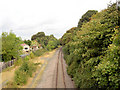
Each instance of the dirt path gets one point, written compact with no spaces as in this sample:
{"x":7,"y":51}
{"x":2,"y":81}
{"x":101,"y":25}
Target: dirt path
{"x":7,"y":75}
{"x":48,"y":78}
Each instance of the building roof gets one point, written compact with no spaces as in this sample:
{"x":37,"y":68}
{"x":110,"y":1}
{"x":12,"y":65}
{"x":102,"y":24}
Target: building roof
{"x":24,"y":44}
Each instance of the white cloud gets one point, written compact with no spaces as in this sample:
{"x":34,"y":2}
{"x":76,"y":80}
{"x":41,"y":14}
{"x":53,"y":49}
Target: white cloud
{"x":27,"y":17}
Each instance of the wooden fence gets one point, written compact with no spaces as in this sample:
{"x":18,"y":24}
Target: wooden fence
{"x":10,"y":63}
{"x":7,"y":64}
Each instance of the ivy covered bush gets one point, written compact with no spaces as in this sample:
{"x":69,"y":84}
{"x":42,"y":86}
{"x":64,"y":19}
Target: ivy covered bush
{"x":93,"y":51}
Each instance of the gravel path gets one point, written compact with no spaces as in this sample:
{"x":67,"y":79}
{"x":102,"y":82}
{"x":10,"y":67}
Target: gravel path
{"x":48,"y":78}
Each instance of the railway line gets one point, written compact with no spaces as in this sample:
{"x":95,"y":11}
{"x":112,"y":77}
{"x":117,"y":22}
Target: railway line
{"x":60,"y":72}
{"x":55,"y":73}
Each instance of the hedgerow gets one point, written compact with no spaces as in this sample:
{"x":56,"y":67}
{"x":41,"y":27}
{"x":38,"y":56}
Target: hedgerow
{"x":93,"y":52}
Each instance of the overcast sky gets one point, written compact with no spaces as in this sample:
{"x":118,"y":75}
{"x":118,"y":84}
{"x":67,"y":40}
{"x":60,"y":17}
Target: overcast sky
{"x":27,"y":17}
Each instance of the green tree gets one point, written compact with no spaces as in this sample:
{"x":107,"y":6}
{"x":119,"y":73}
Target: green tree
{"x":52,"y":44}
{"x":10,"y":46}
{"x":68,"y":36}
{"x":86,"y":17}
{"x":44,"y":40}
{"x":28,"y":42}
{"x":38,"y":35}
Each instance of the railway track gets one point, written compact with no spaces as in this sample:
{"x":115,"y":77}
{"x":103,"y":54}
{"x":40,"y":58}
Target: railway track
{"x":60,"y":72}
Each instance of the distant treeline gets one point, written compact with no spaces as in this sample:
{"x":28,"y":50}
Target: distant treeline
{"x":92,"y":50}
{"x":48,"y":42}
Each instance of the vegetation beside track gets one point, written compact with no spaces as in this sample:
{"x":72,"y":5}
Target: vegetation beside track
{"x":92,"y":50}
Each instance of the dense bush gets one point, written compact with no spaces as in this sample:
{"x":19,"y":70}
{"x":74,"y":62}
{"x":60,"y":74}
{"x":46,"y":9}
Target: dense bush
{"x":20,"y":77}
{"x":52,"y":45}
{"x":18,"y":62}
{"x":32,"y":55}
{"x":26,"y":70}
{"x":11,"y":84}
{"x":69,"y":36}
{"x":27,"y":58}
{"x":93,"y":53}
{"x":39,"y":52}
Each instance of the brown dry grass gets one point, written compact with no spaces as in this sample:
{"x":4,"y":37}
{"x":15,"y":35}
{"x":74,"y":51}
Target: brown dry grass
{"x":8,"y":74}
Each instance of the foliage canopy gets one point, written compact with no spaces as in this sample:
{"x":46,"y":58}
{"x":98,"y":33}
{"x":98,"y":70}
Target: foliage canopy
{"x":10,"y":46}
{"x":93,"y":51}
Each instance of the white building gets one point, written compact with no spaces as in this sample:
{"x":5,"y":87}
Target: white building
{"x":26,"y":47}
